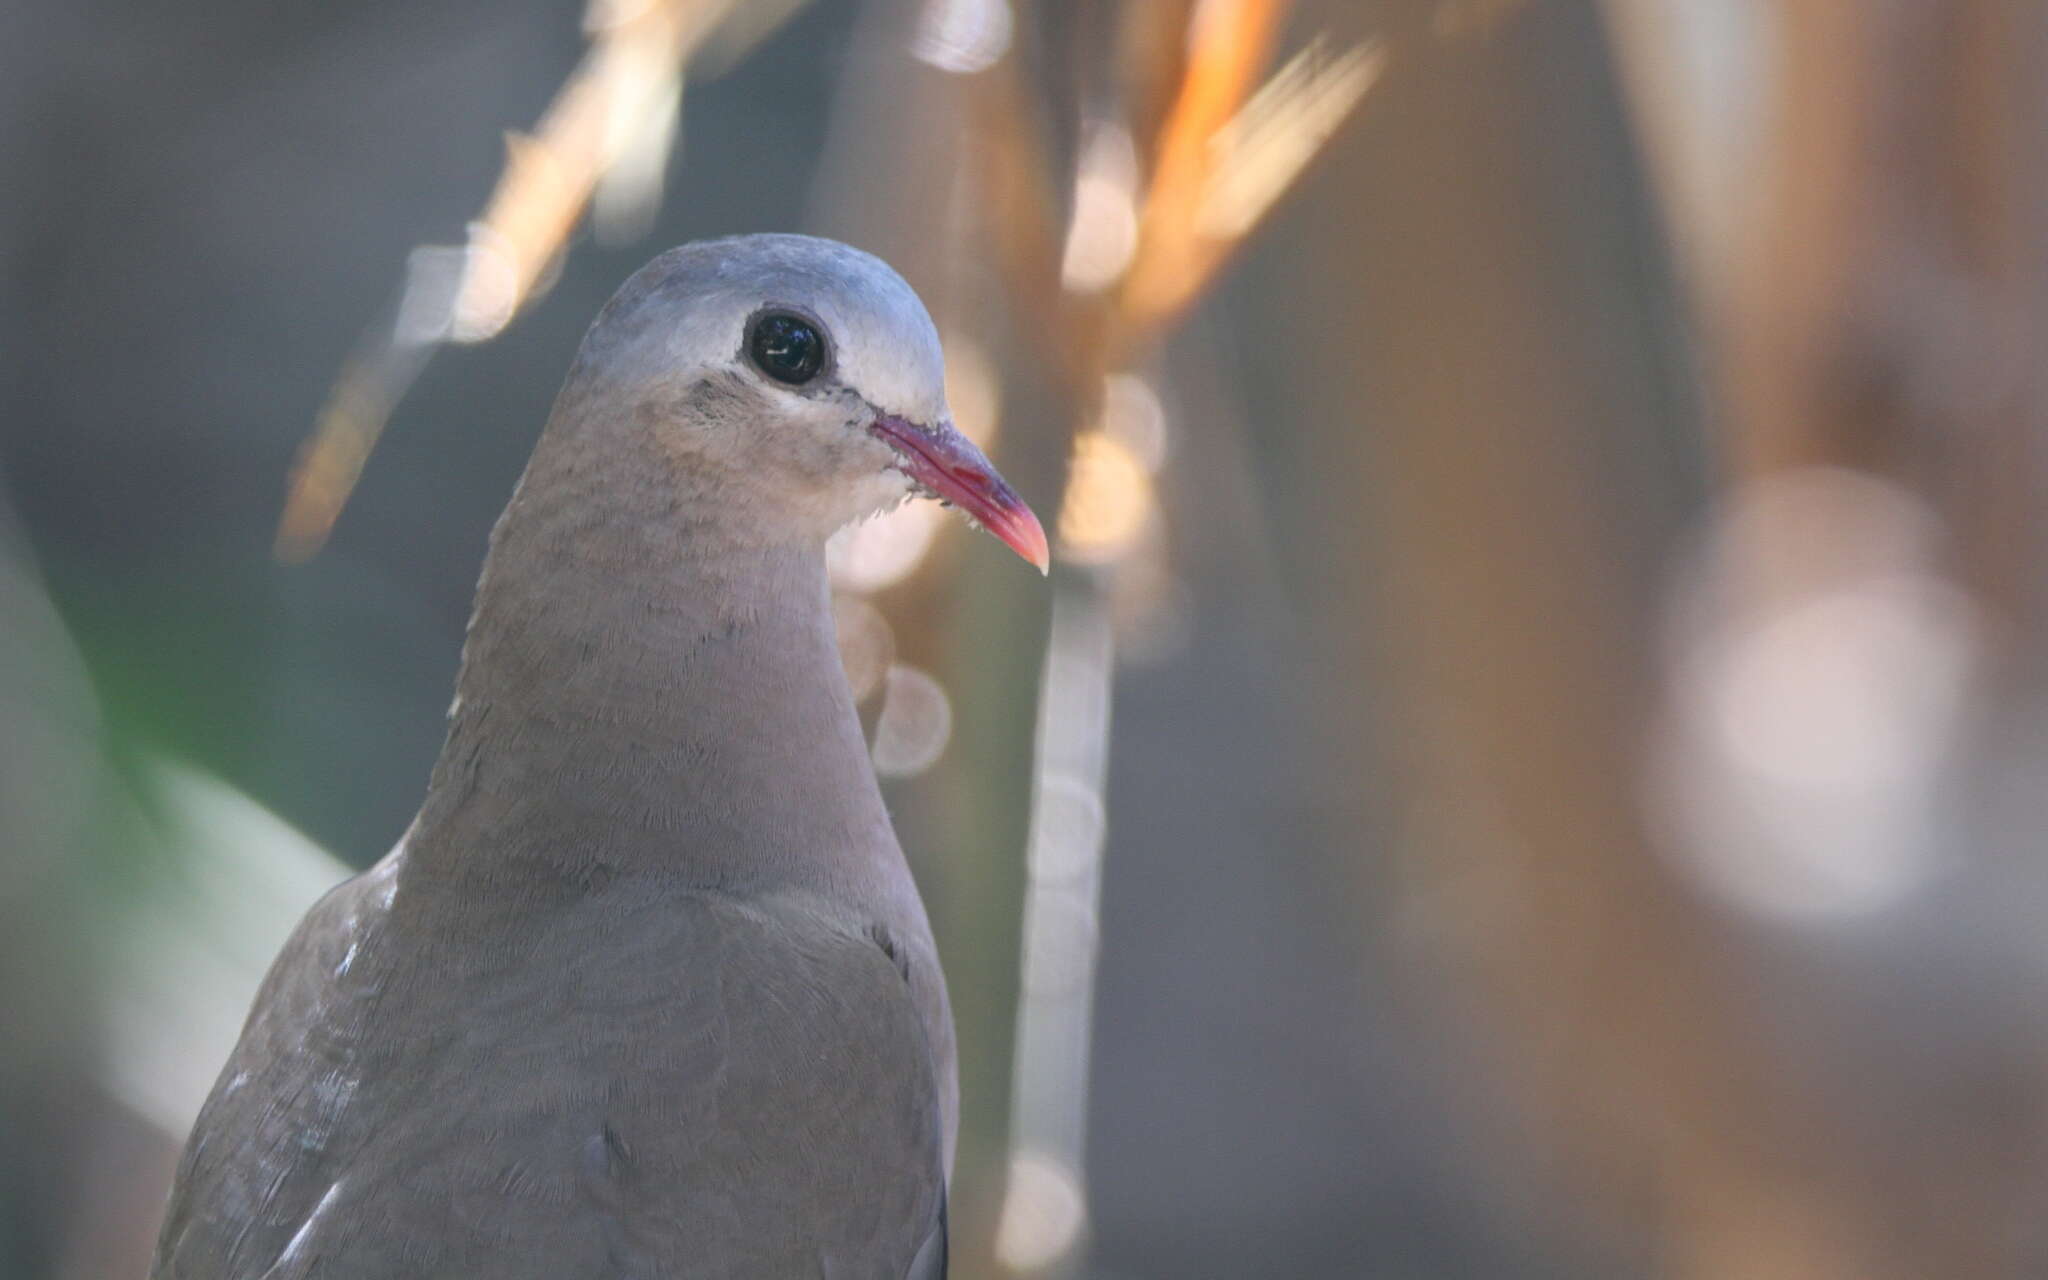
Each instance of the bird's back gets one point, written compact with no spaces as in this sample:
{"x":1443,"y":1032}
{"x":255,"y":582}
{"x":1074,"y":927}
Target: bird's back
{"x":635,"y":1084}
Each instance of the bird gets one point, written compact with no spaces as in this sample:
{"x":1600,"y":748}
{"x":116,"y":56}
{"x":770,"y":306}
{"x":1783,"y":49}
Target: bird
{"x":646,"y":988}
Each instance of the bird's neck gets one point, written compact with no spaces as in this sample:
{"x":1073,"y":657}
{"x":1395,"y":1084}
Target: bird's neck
{"x":648,"y":692}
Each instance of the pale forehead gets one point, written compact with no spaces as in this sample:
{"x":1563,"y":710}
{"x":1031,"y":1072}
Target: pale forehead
{"x":694,"y":302}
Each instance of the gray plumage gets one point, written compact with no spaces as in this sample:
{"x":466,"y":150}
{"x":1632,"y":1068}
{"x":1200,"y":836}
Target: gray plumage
{"x":646,"y":990}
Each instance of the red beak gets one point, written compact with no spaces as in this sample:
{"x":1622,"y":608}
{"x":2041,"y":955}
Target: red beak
{"x":948,"y":464}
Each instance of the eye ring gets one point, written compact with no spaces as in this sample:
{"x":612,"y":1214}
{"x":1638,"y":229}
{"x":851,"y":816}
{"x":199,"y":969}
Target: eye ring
{"x":787,"y":347}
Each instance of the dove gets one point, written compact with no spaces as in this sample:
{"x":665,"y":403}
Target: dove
{"x":646,"y":988}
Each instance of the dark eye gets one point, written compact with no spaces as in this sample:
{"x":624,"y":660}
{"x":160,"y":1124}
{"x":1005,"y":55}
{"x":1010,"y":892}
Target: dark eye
{"x":787,"y":348}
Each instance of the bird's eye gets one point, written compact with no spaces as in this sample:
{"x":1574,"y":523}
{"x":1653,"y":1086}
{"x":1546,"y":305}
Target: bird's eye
{"x":787,"y":348}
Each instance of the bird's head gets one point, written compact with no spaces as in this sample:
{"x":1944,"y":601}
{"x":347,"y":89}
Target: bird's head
{"x":801,"y":378}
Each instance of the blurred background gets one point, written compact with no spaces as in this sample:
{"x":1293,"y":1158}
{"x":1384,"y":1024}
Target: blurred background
{"x":1528,"y":763}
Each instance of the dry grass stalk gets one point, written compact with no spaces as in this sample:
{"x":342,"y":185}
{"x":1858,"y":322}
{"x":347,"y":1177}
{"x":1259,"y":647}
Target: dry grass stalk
{"x":605,"y":137}
{"x":1228,"y":44}
{"x":1222,"y":155}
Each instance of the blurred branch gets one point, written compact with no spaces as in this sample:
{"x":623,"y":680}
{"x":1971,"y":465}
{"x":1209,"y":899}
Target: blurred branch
{"x":1150,"y":220}
{"x":1019,"y":202}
